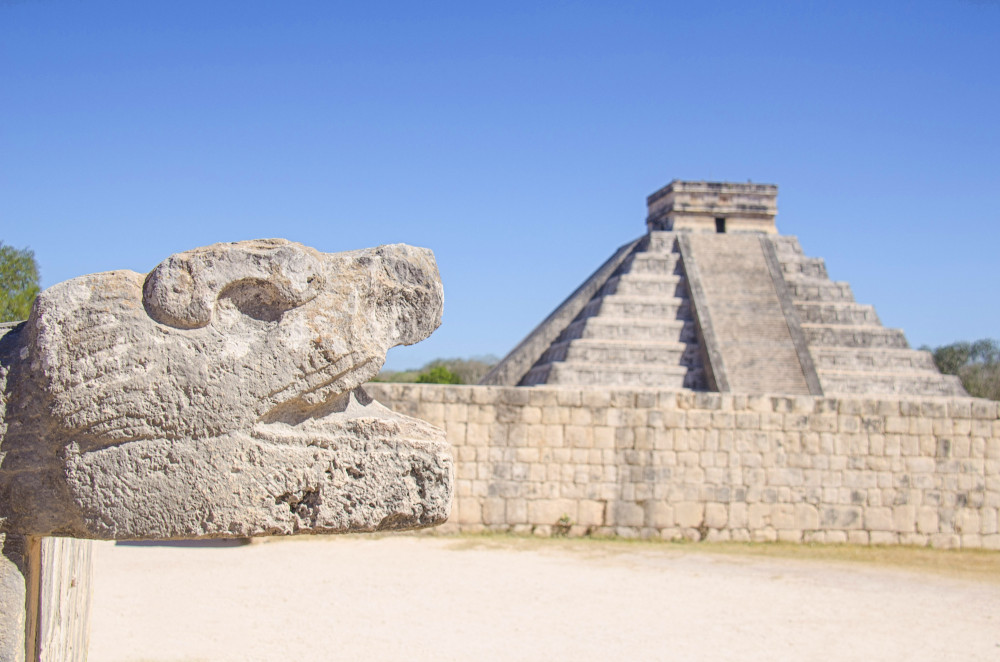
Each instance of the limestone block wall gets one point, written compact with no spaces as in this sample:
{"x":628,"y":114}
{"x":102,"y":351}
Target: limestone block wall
{"x":683,"y":464}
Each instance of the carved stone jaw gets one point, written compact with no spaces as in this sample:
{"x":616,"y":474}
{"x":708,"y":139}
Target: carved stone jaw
{"x":359,"y":467}
{"x":219,"y":396}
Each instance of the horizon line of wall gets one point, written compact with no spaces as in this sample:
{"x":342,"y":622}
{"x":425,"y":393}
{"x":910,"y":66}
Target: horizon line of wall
{"x":681,"y":464}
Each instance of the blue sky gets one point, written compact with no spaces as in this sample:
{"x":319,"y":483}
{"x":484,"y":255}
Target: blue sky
{"x":517,"y":140}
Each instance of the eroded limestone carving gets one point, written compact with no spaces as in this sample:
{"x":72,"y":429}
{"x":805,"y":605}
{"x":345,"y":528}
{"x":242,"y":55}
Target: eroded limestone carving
{"x":220,"y":396}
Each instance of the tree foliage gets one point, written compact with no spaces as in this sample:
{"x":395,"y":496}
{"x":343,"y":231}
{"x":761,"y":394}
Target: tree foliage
{"x":439,"y":375}
{"x":18,"y":282}
{"x":977,"y":364}
{"x":443,"y":371}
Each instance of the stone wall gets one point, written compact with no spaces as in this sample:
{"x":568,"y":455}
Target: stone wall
{"x":681,"y":464}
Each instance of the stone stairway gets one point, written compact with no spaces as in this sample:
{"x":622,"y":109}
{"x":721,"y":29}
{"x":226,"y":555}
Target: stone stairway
{"x":637,"y":330}
{"x":742,"y":316}
{"x":852,"y":351}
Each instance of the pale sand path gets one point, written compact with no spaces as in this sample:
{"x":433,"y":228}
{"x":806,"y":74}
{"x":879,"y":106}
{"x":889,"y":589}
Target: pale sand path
{"x":430,"y":598}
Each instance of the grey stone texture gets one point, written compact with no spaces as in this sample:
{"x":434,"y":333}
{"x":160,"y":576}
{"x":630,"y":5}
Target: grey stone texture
{"x":698,"y":206}
{"x":678,"y":464}
{"x":740,"y":310}
{"x":755,"y":348}
{"x":852,"y":351}
{"x":637,"y":328}
{"x":13,"y":597}
{"x":220,"y":396}
{"x":521,"y":359}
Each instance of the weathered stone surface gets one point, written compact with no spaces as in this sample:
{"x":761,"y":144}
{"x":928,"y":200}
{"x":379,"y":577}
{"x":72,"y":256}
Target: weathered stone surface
{"x":712,"y":298}
{"x":220,"y":396}
{"x":12,"y":600}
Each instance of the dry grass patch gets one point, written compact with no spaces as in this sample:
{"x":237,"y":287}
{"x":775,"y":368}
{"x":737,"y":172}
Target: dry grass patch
{"x":976,"y":565}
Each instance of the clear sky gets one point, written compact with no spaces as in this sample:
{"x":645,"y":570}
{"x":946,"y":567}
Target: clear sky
{"x":518,"y":140}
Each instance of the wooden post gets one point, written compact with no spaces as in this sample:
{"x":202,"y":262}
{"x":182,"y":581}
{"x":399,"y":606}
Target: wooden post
{"x":57,"y":579}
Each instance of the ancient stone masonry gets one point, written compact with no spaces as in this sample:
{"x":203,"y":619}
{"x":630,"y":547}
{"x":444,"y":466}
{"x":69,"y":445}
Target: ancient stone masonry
{"x":826,"y":426}
{"x":678,"y":464}
{"x":851,"y":350}
{"x":636,"y":330}
{"x":218,"y":396}
{"x":712,"y":298}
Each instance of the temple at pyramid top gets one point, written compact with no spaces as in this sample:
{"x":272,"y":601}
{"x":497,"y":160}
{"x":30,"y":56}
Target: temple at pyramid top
{"x":713,"y":207}
{"x":712,"y":298}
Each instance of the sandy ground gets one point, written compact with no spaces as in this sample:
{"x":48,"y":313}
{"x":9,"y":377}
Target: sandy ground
{"x":431,"y":598}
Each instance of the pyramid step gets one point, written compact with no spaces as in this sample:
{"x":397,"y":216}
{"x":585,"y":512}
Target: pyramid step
{"x":872,"y":359}
{"x":808,"y":267}
{"x":845,"y":312}
{"x":819,"y":290}
{"x":843,"y":335}
{"x":887,"y":383}
{"x":596,"y":374}
{"x":787,"y":248}
{"x":539,"y":374}
{"x":620,"y":328}
{"x":652,"y":263}
{"x":650,"y":306}
{"x":645,"y":284}
{"x":614,"y":352}
{"x":661,"y":242}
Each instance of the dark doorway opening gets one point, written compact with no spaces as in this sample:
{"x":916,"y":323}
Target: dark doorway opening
{"x":720,"y":225}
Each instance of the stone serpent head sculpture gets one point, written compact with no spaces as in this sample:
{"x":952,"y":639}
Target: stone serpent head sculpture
{"x":220,"y":395}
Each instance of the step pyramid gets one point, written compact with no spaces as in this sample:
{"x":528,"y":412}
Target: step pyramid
{"x":713,"y":298}
{"x":637,"y":330}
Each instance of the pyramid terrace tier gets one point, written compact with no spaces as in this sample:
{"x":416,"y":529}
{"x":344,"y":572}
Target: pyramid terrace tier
{"x":645,"y":263}
{"x":851,"y":350}
{"x":819,"y":291}
{"x":873,"y":359}
{"x":615,"y":352}
{"x":602,"y":374}
{"x":880,"y":382}
{"x":837,"y":312}
{"x":645,"y":285}
{"x":626,"y":328}
{"x":639,"y":306}
{"x":847,"y":335}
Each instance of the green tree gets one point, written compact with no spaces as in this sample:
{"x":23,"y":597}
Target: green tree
{"x":18,"y":282}
{"x":977,"y":364}
{"x":439,"y":374}
{"x":467,"y":371}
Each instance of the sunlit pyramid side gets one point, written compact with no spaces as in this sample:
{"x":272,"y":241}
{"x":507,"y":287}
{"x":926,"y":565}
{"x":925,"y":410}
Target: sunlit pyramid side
{"x":712,"y":298}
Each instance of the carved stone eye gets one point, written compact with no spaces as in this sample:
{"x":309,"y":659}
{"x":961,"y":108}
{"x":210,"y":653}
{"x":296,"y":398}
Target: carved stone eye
{"x":261,"y":278}
{"x":258,"y":299}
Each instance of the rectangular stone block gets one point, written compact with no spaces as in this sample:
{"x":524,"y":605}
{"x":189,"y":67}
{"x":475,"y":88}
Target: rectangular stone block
{"x":469,"y":510}
{"x":878,"y":519}
{"x":984,"y":409}
{"x":590,"y":513}
{"x":689,"y":514}
{"x":659,"y":514}
{"x":927,"y":520}
{"x":904,"y":519}
{"x":624,"y":513}
{"x":840,"y":517}
{"x":806,"y":517}
{"x":550,"y":511}
{"x":716,"y":515}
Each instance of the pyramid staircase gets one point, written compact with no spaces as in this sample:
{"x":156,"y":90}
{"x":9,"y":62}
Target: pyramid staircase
{"x":713,"y":298}
{"x":637,"y":330}
{"x":852,"y":351}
